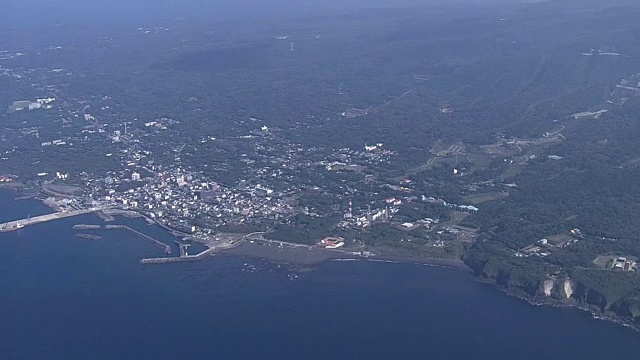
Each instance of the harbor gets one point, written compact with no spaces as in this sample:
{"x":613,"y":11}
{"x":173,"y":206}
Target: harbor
{"x":166,"y":248}
{"x":19,"y":224}
{"x":212,"y":247}
{"x":107,"y":215}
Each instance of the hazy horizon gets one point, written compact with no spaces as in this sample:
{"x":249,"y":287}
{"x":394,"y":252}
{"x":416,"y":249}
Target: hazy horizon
{"x":43,"y":12}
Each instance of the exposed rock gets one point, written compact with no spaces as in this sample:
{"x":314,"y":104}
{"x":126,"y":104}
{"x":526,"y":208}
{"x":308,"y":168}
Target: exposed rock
{"x":547,"y":286}
{"x":568,"y":288}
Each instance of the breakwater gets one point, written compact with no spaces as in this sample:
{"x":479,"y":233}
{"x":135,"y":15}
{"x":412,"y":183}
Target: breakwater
{"x":163,"y":246}
{"x":86,"y":227}
{"x":89,"y":236}
{"x":48,"y":217}
{"x":165,"y":260}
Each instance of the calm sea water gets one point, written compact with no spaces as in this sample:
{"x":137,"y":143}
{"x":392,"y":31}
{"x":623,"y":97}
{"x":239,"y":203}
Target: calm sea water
{"x":62,"y":297}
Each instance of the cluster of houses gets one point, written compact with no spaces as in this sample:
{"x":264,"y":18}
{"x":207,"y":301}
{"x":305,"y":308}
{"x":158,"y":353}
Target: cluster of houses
{"x":177,"y":196}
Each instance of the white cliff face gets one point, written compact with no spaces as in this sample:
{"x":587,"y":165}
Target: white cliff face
{"x":568,"y":288}
{"x":548,"y":287}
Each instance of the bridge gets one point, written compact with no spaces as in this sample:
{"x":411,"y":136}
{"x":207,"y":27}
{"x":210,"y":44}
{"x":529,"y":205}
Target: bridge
{"x":48,"y":217}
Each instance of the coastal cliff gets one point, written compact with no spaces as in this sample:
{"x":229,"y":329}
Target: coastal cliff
{"x":612,"y":296}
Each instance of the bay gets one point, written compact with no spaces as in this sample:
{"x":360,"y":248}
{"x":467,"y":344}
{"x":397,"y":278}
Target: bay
{"x":63,"y":297}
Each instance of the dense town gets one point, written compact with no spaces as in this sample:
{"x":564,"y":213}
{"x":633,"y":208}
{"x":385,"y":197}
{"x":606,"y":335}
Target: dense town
{"x":274,"y":174}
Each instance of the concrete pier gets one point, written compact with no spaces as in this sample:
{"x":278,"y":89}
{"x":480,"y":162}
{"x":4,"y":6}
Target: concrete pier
{"x":164,"y":260}
{"x":165,"y":247}
{"x":104,"y":216}
{"x":48,"y":217}
{"x":226,"y":245}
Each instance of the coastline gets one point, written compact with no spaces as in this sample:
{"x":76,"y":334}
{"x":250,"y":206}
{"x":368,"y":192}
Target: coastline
{"x":310,"y":257}
{"x":316,"y":257}
{"x":537,"y":300}
{"x":320,"y":256}
{"x":284,"y":253}
{"x":453,"y":264}
{"x":313,"y":256}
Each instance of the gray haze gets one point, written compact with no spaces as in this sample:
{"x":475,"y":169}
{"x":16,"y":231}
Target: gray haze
{"x":46,"y":12}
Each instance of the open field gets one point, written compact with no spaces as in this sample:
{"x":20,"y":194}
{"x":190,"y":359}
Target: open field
{"x":475,"y":199}
{"x":458,"y":216}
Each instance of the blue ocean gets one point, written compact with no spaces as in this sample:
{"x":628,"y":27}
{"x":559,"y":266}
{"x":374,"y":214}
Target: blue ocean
{"x":64,"y":297}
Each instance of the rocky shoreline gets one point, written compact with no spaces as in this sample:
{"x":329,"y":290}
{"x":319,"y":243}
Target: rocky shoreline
{"x":539,"y":300}
{"x":312,"y":257}
{"x":309,"y":258}
{"x":305,"y":255}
